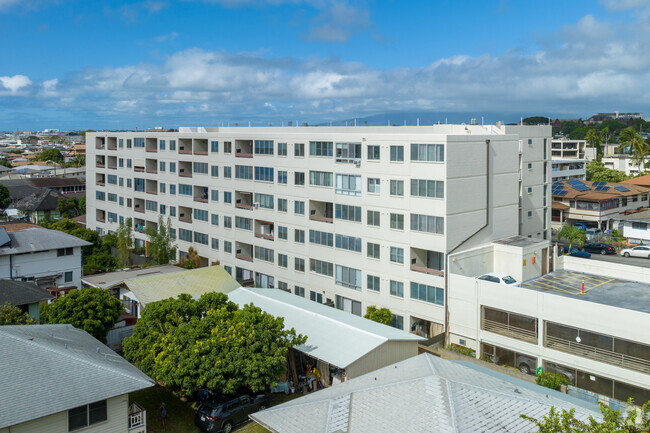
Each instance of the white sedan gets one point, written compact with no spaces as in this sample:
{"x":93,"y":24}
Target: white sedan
{"x":640,"y":251}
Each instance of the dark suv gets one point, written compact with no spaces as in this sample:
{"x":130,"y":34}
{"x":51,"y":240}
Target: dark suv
{"x":221,"y":413}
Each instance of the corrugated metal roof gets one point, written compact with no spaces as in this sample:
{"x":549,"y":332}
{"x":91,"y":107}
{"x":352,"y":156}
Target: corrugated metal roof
{"x":333,"y":336}
{"x":38,"y":239}
{"x":421,"y":394}
{"x":194,"y":282}
{"x":115,"y":278}
{"x":21,"y":292}
{"x":46,"y":369}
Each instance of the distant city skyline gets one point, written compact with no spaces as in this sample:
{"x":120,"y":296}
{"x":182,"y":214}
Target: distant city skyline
{"x":70,"y":64}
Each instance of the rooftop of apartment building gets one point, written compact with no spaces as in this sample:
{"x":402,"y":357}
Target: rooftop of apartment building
{"x":594,"y":190}
{"x":627,"y":294}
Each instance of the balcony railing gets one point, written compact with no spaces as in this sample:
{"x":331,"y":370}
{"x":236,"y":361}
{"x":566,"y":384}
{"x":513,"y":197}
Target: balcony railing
{"x":598,"y":354}
{"x":244,"y":206}
{"x":101,"y":220}
{"x":99,"y":165}
{"x":99,"y":147}
{"x":152,"y":171}
{"x":152,"y":191}
{"x":426,"y":270}
{"x":200,"y":152}
{"x":185,"y":219}
{"x":138,"y":209}
{"x":510,"y":331}
{"x":152,"y":149}
{"x":243,"y":257}
{"x":138,"y":169}
{"x":321,"y":218}
{"x":184,"y":174}
{"x":201,"y":200}
{"x":185,"y":151}
{"x":264,"y":236}
{"x":112,"y":167}
{"x":243,"y":155}
{"x":100,"y":183}
{"x":113,"y":147}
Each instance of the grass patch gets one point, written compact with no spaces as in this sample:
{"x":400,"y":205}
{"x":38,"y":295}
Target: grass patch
{"x":180,"y":414}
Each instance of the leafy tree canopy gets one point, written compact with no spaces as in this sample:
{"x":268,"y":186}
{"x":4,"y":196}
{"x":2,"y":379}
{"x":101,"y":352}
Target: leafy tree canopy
{"x":573,"y":235}
{"x":161,"y":244}
{"x":92,"y":309}
{"x":11,"y":315}
{"x":68,"y":207}
{"x":536,"y":120}
{"x":51,"y":155}
{"x":5,"y":163}
{"x":5,"y":198}
{"x":210,"y":343}
{"x":381,"y":315}
{"x":597,"y":171}
{"x":613,"y":421}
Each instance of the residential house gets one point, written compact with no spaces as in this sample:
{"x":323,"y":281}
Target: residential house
{"x":40,"y":207}
{"x":25,"y":295}
{"x":59,"y":379}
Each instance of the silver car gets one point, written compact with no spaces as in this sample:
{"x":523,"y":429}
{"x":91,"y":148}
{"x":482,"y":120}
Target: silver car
{"x":640,"y":251}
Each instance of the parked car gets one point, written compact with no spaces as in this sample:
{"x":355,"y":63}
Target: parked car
{"x":577,"y":253}
{"x":582,"y":226}
{"x":526,"y":364}
{"x":222,"y":413}
{"x":640,"y":251}
{"x":599,"y":247}
{"x":593,"y":233}
{"x":499,"y":278}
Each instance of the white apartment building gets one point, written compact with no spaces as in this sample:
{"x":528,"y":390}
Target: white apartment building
{"x":624,"y":163}
{"x":569,"y":159}
{"x":351,"y":216}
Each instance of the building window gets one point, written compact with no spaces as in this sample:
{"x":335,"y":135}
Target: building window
{"x":200,"y":214}
{"x":214,"y":195}
{"x":373,"y":250}
{"x":397,"y":255}
{"x":244,"y":172}
{"x":397,"y":187}
{"x":87,"y":415}
{"x":397,"y":153}
{"x":172,"y":167}
{"x":227,"y":172}
{"x":299,"y":264}
{"x":346,"y":212}
{"x":282,"y":177}
{"x":215,"y":243}
{"x":321,"y":267}
{"x":161,"y":166}
{"x":282,"y":149}
{"x":243,"y":223}
{"x":185,"y":235}
{"x":427,"y":188}
{"x":184,"y":189}
{"x":321,"y":238}
{"x":227,"y":197}
{"x":373,"y":153}
{"x":299,"y":236}
{"x":397,"y":221}
{"x":299,"y":149}
{"x":320,"y":178}
{"x":265,"y":200}
{"x":227,"y":147}
{"x":299,"y":291}
{"x":348,"y":277}
{"x":215,"y":219}
{"x":422,"y":292}
{"x":373,"y":185}
{"x":172,"y":188}
{"x":201,"y":238}
{"x":264,"y":254}
{"x":172,"y":211}
{"x":299,"y":207}
{"x":373,"y":283}
{"x":161,"y":144}
{"x":264,"y":174}
{"x":67,"y":277}
{"x":373,"y":218}
{"x":172,"y":144}
{"x":315,"y":296}
{"x":138,"y":142}
{"x":349,"y":243}
{"x":348,"y":305}
{"x":227,"y":245}
{"x":397,"y":322}
{"x":348,"y":152}
{"x":214,"y":171}
{"x":214,"y":146}
{"x":397,"y":288}
{"x":227,"y":222}
{"x":263,"y":147}
{"x":321,"y":148}
{"x":427,"y":223}
{"x":282,"y":205}
{"x":283,"y":260}
{"x":162,"y":187}
{"x":427,"y":152}
{"x":282,"y":232}
{"x":299,"y":178}
{"x":347,"y":184}
{"x":201,"y":168}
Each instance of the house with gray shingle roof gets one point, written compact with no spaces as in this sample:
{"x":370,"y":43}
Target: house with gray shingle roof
{"x":25,"y":295}
{"x":57,"y":378}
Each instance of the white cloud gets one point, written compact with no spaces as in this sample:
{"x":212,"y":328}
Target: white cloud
{"x":15,"y":83}
{"x":166,"y":38}
{"x":622,"y":5}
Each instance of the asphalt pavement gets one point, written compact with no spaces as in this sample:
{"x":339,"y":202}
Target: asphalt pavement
{"x":634,"y":261}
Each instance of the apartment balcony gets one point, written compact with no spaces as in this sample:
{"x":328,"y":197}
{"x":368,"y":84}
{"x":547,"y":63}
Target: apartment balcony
{"x":427,"y":262}
{"x":182,"y":173}
{"x":151,"y":171}
{"x":243,"y":155}
{"x":112,"y":143}
{"x":244,"y":257}
{"x":102,"y":220}
{"x":321,"y":211}
{"x":151,"y":150}
{"x":152,"y":191}
{"x":264,"y":230}
{"x":200,"y":152}
{"x":200,"y":194}
{"x":200,"y":146}
{"x":100,"y":183}
{"x":151,"y":145}
{"x":100,"y":216}
{"x":100,"y":143}
{"x":138,"y":209}
{"x":244,"y":206}
{"x":99,"y":165}
{"x":426,"y":270}
{"x":321,"y":219}
{"x":112,"y":167}
{"x":185,"y":219}
{"x":138,"y":169}
{"x":185,"y":146}
{"x":244,"y":200}
{"x":244,"y":148}
{"x":510,"y":331}
{"x":200,"y":200}
{"x":185,"y":151}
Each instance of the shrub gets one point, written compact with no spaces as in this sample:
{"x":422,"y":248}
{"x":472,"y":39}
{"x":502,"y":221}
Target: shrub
{"x":462,"y":350}
{"x":551,"y":380}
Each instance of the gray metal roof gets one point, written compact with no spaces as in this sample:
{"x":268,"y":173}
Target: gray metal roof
{"x":421,"y":394}
{"x":333,"y":336}
{"x":46,"y":369}
{"x":115,"y":278}
{"x":22,"y":292}
{"x":37,"y":239}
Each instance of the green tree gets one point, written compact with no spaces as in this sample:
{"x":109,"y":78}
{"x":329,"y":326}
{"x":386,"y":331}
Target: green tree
{"x":594,"y":141}
{"x":92,"y":309}
{"x":11,"y":315}
{"x":572,"y":235}
{"x":161,"y":244}
{"x":68,"y":207}
{"x":51,"y":155}
{"x":551,"y":380}
{"x":380,"y":315}
{"x":78,"y":161}
{"x":613,"y":421}
{"x":82,"y":205}
{"x":536,"y":120}
{"x":605,"y":135}
{"x":5,"y":198}
{"x":597,"y":171}
{"x":17,"y":151}
{"x":635,"y":146}
{"x":124,"y":242}
{"x":5,"y":163}
{"x":188,"y":344}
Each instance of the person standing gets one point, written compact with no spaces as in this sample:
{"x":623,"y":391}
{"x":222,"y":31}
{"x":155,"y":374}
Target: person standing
{"x":163,"y":415}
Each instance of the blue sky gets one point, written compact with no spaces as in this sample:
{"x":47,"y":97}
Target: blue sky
{"x":71,"y":64}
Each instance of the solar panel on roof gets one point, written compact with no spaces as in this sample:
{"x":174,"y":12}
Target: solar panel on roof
{"x":621,"y":188}
{"x":599,"y":183}
{"x":562,"y":192}
{"x":602,"y":188}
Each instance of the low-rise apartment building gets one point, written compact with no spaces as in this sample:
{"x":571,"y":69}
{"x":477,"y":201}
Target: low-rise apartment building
{"x":349,"y":216}
{"x":624,"y":163}
{"x":570,"y":158}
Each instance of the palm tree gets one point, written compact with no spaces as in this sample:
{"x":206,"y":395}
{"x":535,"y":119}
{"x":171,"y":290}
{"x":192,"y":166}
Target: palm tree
{"x":572,"y":234}
{"x":594,"y":141}
{"x":637,"y":146}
